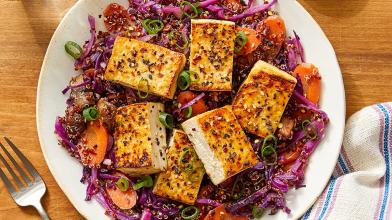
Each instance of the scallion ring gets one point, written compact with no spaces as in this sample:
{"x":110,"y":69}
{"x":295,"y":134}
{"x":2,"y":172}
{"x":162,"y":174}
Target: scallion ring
{"x":310,"y":130}
{"x":257,"y":212}
{"x":123,"y":184}
{"x":190,"y":213}
{"x":267,"y":141}
{"x":139,"y":88}
{"x":166,"y":119}
{"x":184,"y":80}
{"x":73,"y":49}
{"x":188,"y":112}
{"x":194,"y":9}
{"x":234,"y":188}
{"x":175,"y":35}
{"x":240,"y":41}
{"x":145,"y":181}
{"x":269,"y":152}
{"x":90,"y":113}
{"x":152,"y":26}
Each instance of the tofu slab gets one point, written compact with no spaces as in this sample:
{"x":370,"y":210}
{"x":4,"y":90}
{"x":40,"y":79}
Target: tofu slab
{"x":182,"y":179}
{"x":220,"y":143}
{"x":134,"y":63}
{"x":262,"y":98}
{"x":140,"y":139}
{"x":212,"y":53}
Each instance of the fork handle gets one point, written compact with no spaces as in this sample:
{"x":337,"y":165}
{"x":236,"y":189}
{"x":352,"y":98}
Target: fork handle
{"x":41,"y":211}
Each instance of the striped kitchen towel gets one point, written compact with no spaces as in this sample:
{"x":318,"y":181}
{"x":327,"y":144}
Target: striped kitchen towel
{"x":360,"y":187}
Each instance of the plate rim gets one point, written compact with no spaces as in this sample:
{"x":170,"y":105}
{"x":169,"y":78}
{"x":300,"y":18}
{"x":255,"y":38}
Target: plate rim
{"x":73,"y":200}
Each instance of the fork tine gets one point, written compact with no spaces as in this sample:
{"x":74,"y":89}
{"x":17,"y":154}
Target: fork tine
{"x":16,"y":178}
{"x":7,"y":183}
{"x":22,"y":173}
{"x":25,"y":161}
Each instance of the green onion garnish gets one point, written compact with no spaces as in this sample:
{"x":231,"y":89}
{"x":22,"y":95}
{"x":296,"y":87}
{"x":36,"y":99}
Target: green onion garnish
{"x":257,"y":212}
{"x":240,"y":41}
{"x":190,"y":213}
{"x":166,"y":119}
{"x":139,"y":93}
{"x":268,"y":139}
{"x":73,"y":49}
{"x":122,"y":184}
{"x":91,"y":113}
{"x":310,"y":130}
{"x":188,"y":112}
{"x":269,"y":145}
{"x":184,"y":80}
{"x":235,"y":187}
{"x":152,"y":26}
{"x":194,"y":9}
{"x":145,"y":181}
{"x":175,"y":35}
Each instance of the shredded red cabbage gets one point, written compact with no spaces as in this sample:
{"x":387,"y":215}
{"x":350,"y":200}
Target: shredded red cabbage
{"x":253,"y":10}
{"x":209,"y":202}
{"x":146,"y":215}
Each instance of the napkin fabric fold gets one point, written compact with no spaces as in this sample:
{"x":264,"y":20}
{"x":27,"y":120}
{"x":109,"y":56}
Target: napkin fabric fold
{"x":360,"y":187}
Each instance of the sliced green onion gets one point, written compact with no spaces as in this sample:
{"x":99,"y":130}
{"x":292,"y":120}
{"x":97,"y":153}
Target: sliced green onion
{"x":139,"y":93}
{"x":240,"y":41}
{"x":266,"y":153}
{"x":166,"y":119}
{"x":184,"y":80}
{"x":234,"y":188}
{"x":188,"y":112}
{"x":310,"y":130}
{"x":190,"y":213}
{"x":257,"y":212}
{"x":173,"y":35}
{"x":91,"y":113}
{"x":73,"y":49}
{"x":152,"y":26}
{"x":268,"y":139}
{"x":194,"y":9}
{"x":145,"y":181}
{"x":123,"y":184}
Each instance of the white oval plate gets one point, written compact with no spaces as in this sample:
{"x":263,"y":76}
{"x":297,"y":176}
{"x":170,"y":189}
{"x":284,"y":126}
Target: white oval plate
{"x":57,"y":69}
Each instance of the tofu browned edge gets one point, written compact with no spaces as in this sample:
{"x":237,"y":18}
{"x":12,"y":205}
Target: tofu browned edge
{"x":176,"y":183}
{"x":140,"y":139}
{"x":262,"y":98}
{"x":212,"y":54}
{"x":220,"y":143}
{"x":133,"y":63}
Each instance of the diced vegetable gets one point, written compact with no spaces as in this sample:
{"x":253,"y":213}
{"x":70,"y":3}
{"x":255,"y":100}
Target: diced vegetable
{"x":123,"y":199}
{"x":197,"y":108}
{"x":253,"y":40}
{"x":311,"y":81}
{"x":273,"y":32}
{"x":220,"y":213}
{"x":93,"y":143}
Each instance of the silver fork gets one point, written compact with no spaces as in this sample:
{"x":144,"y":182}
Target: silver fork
{"x":31,"y":194}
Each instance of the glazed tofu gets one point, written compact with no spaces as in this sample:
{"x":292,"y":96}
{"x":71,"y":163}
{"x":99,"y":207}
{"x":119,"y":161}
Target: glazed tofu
{"x":220,"y":143}
{"x":146,"y":67}
{"x":262,"y":99}
{"x":140,"y":139}
{"x":212,"y":53}
{"x":182,"y":179}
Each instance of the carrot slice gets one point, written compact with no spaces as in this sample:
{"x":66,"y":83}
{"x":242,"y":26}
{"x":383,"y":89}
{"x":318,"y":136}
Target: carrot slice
{"x":311,"y":81}
{"x":197,"y":108}
{"x":253,"y":42}
{"x":93,"y":143}
{"x":273,"y":33}
{"x":123,"y":200}
{"x":220,"y":213}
